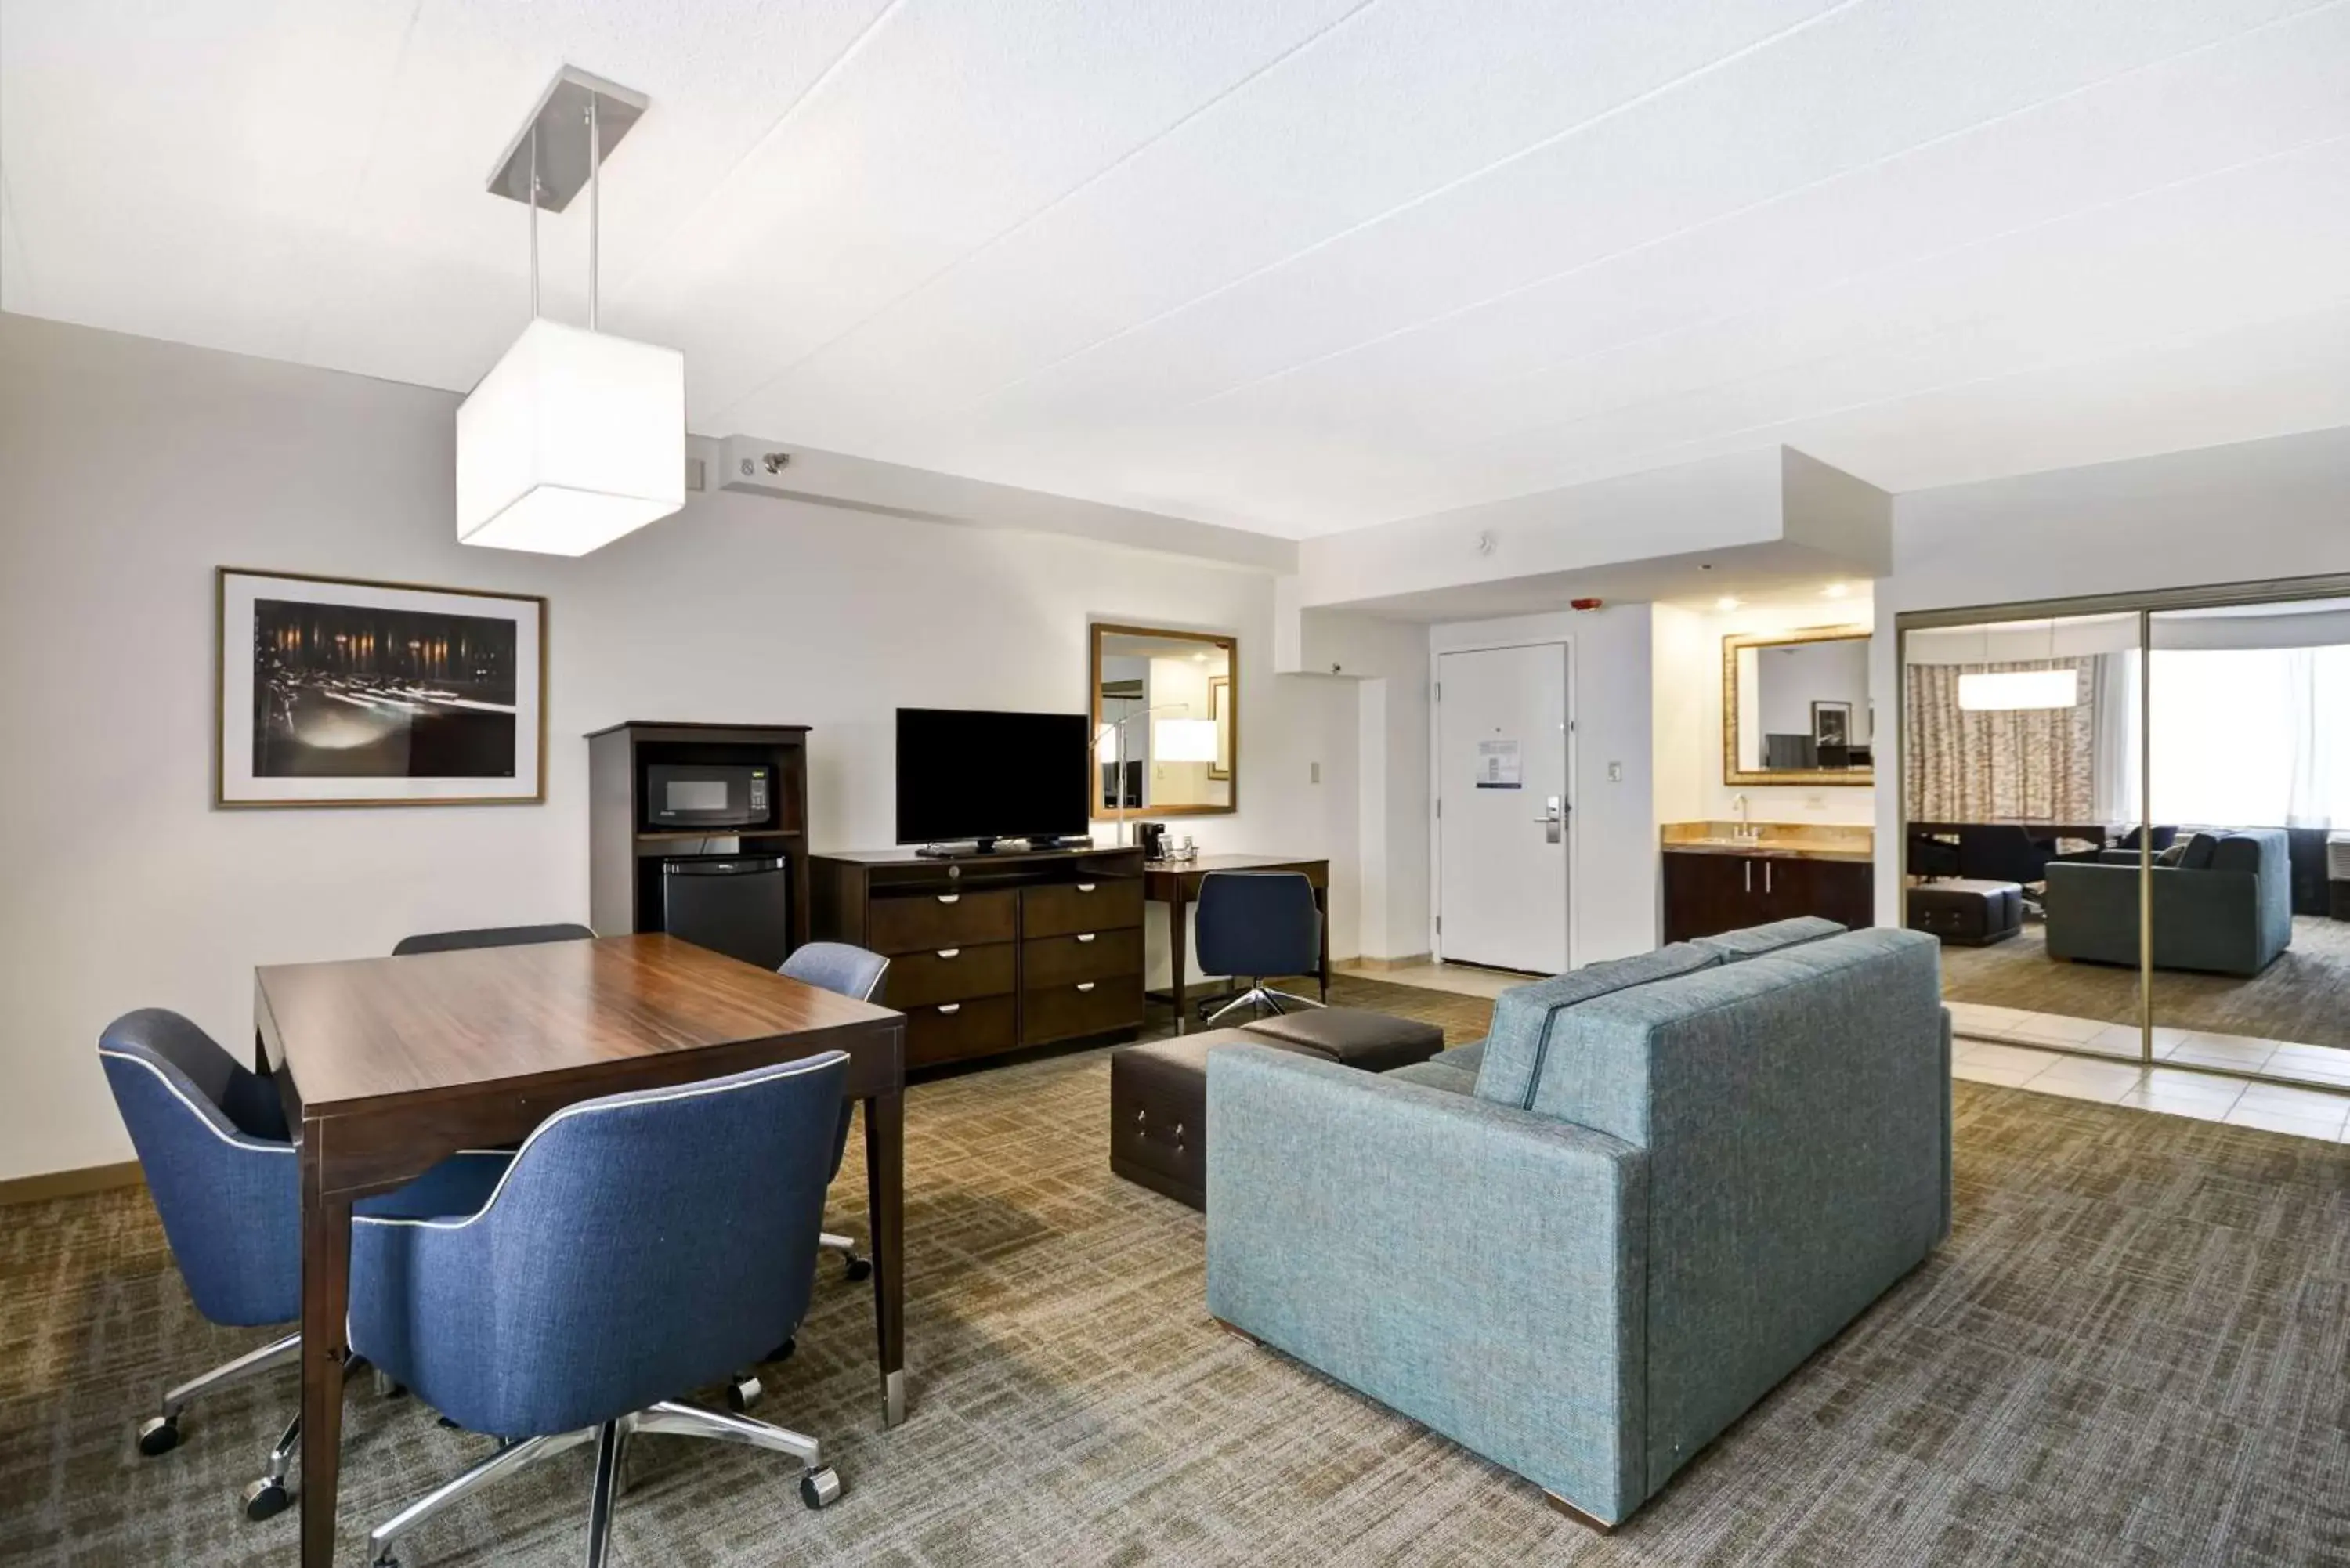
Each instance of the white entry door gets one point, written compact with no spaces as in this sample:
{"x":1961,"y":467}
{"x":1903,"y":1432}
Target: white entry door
{"x":1504,"y":820}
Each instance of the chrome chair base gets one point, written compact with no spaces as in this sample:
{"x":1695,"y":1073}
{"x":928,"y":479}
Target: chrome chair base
{"x":1261,"y":995}
{"x":268,"y":1496}
{"x":820,"y":1483}
{"x":859,"y":1267}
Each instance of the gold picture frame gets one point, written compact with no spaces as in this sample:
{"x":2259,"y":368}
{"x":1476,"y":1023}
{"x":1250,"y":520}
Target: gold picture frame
{"x":1228,"y":749}
{"x":1733,"y":772}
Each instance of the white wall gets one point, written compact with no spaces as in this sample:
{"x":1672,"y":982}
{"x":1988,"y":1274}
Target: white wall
{"x":1613,"y":881}
{"x":2256,"y":509}
{"x":1689,"y":718}
{"x":129,"y":469}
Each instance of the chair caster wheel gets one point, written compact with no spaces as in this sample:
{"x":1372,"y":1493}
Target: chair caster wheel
{"x":859,"y":1269}
{"x":267,"y":1499}
{"x":743,"y":1393}
{"x":158,"y":1435}
{"x":820,"y":1489}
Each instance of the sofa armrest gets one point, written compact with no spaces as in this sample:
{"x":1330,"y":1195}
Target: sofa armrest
{"x":1479,"y":1268}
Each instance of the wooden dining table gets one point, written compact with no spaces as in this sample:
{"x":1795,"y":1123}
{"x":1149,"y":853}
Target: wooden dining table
{"x":388,"y":1065}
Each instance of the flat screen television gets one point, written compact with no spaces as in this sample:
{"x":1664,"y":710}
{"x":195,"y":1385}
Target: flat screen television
{"x":967,"y":773}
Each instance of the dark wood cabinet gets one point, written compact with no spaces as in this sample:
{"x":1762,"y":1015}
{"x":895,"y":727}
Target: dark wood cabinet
{"x":1708,"y":892}
{"x":989,"y":953}
{"x":625,"y":849}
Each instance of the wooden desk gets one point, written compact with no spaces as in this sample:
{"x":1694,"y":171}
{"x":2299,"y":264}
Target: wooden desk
{"x":388,"y":1065}
{"x":1176,"y":883}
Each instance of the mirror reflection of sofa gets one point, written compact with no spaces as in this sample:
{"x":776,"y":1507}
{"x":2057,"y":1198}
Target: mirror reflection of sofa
{"x":2226,"y":906}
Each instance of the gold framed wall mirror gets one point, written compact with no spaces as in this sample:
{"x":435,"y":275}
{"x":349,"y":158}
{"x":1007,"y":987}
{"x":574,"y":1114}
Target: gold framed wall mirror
{"x":1166,"y":722}
{"x":1795,"y":708}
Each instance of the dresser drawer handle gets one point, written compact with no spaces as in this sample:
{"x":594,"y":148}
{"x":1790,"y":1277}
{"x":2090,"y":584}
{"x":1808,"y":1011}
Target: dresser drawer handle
{"x":1086,"y":985}
{"x":950,"y":952}
{"x":1086,"y":936}
{"x":948,"y":1009}
{"x":950,"y":897}
{"x":1085,"y":886}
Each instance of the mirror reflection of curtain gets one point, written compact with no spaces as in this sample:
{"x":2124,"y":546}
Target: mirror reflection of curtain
{"x":1977,"y":765}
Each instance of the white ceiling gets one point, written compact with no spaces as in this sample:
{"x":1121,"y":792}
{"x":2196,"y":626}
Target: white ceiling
{"x":1290,"y":264}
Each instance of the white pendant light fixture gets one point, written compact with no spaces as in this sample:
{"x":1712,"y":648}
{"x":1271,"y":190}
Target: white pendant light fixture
{"x":574,"y":436}
{"x":2010,"y":690}
{"x":2001,"y":689}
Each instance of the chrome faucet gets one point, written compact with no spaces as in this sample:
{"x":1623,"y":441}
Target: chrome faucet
{"x":1745,"y":826}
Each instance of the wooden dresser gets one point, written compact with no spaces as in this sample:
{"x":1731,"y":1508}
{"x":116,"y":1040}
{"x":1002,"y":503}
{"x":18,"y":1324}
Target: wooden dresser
{"x":991,"y":953}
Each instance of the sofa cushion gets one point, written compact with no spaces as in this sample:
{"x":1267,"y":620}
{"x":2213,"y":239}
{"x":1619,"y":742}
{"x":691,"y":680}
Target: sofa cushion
{"x":2199,"y":850}
{"x":2175,"y":853}
{"x":2237,"y":852}
{"x":1436,"y":1074}
{"x":1756,"y":941}
{"x":1524,"y":1016}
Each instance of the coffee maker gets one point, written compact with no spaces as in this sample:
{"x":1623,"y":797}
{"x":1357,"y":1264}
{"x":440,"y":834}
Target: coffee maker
{"x":1153,"y":836}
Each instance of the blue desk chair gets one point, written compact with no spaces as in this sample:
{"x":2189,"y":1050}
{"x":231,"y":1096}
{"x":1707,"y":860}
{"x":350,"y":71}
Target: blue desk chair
{"x":639,"y":1246}
{"x":1252,"y":924}
{"x":488,"y":936}
{"x":220,"y":1164}
{"x":850,"y":971}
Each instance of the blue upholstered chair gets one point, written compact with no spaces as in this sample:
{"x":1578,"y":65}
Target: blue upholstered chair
{"x":488,"y":936}
{"x":220,"y":1164}
{"x":1254,"y":924}
{"x":639,"y":1246}
{"x":851,"y":971}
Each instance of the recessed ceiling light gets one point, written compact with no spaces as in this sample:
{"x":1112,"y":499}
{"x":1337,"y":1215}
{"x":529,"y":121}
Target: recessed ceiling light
{"x":1725,"y":603}
{"x":1834,"y":590}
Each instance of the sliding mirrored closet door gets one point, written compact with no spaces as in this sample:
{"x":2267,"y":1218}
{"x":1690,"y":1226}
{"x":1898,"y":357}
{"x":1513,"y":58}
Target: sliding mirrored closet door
{"x":2020,"y":775}
{"x":2247,"y":714}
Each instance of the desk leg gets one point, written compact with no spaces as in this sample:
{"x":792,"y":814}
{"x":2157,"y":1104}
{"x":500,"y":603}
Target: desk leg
{"x":1322,"y":906}
{"x":1175,"y":906}
{"x":884,"y":1197}
{"x":326,"y":1293}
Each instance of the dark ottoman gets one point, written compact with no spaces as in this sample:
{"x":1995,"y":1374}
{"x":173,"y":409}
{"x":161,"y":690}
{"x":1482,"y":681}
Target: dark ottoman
{"x":1371,"y":1041}
{"x":1968,"y":913}
{"x":1159,"y":1090}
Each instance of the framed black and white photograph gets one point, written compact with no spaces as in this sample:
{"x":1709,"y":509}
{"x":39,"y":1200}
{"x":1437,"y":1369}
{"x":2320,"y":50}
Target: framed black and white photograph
{"x":1831,"y":724}
{"x":336,"y":692}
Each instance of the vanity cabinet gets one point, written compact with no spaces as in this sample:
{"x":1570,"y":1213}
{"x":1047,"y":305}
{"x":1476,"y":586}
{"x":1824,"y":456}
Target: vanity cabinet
{"x":1708,"y":892}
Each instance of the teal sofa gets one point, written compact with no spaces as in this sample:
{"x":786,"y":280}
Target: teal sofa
{"x":2226,"y":907}
{"x":1585,"y":1245}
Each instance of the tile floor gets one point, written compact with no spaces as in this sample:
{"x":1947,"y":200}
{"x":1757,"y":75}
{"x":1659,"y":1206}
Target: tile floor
{"x":1461,"y":979}
{"x":2001,"y":1046}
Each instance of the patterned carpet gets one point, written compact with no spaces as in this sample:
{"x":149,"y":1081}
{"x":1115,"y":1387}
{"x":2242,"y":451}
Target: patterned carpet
{"x":2135,"y":1350}
{"x":2305,"y":995}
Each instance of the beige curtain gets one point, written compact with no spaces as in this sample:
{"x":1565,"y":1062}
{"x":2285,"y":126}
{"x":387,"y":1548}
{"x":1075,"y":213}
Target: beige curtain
{"x":1961,"y":766}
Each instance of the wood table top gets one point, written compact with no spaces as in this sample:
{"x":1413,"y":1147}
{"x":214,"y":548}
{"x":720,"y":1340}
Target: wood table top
{"x":1203,"y":863}
{"x":364,"y":1029}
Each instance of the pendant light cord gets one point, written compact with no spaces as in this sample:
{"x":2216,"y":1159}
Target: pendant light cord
{"x":594,"y":158}
{"x":534,"y":221}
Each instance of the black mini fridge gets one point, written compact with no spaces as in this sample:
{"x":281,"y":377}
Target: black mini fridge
{"x":739,"y":906}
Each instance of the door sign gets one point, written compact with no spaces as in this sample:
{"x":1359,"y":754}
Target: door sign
{"x":1498,"y":766}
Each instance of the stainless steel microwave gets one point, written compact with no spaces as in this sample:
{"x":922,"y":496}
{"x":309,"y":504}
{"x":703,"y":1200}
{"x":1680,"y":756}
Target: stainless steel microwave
{"x":699,"y":794}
